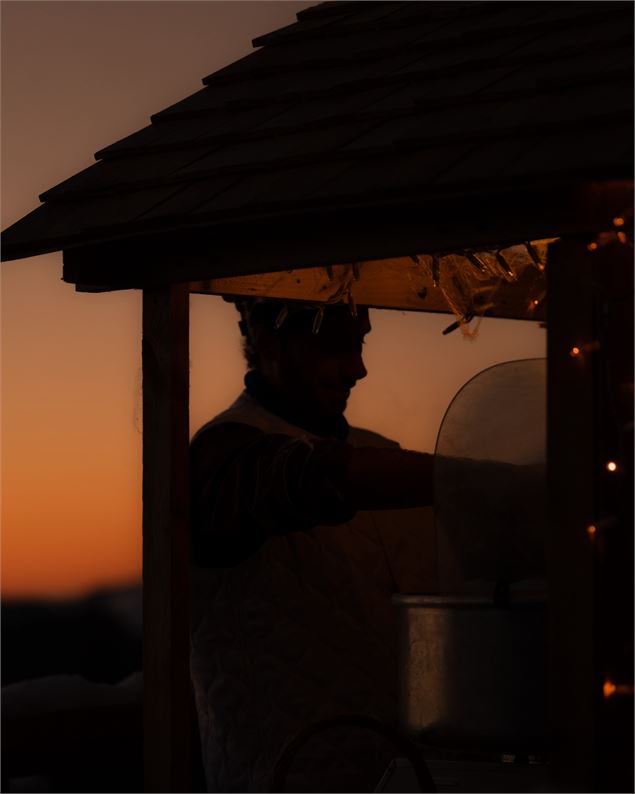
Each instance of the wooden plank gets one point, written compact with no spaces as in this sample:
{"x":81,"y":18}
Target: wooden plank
{"x":613,"y":284}
{"x":167,"y":690}
{"x":571,"y":475}
{"x":330,"y":236}
{"x":590,"y":423}
{"x":317,"y":238}
{"x":402,"y":283}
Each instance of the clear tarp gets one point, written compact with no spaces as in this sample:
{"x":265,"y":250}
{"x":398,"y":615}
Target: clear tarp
{"x":490,"y":481}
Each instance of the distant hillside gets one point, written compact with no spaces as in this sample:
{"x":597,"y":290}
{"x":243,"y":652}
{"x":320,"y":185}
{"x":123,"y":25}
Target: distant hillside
{"x":98,"y":637}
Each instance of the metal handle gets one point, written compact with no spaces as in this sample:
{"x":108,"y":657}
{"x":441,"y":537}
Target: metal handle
{"x":399,"y":740}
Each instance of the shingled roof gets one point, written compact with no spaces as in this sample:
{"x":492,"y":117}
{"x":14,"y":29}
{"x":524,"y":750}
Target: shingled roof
{"x":463,"y":121}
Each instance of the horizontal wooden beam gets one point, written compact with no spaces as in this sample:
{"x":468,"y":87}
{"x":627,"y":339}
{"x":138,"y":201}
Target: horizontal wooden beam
{"x":327,"y":236}
{"x":404,"y":284}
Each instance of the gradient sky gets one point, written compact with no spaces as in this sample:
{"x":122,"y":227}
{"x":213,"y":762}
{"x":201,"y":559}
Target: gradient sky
{"x":76,"y":76}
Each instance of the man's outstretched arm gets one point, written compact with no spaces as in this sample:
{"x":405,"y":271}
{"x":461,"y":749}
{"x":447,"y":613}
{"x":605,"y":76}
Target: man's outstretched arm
{"x":379,"y":478}
{"x":247,"y":485}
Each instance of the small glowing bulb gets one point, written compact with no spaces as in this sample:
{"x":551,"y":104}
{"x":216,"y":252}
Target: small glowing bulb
{"x":536,"y":302}
{"x":618,"y":221}
{"x":591,"y":530}
{"x":611,"y":465}
{"x":575,"y":351}
{"x":609,"y":688}
{"x":592,"y":247}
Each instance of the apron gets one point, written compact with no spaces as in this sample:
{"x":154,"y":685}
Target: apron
{"x":302,"y":631}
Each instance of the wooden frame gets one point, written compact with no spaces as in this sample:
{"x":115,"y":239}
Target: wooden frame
{"x":166,"y":617}
{"x":319,"y":237}
{"x":572,"y":566}
{"x":590,"y":553}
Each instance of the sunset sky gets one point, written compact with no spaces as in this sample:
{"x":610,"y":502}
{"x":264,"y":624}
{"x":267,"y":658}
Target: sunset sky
{"x":77,"y":76}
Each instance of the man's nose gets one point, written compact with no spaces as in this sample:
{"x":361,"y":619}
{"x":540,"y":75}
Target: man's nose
{"x":354,"y":368}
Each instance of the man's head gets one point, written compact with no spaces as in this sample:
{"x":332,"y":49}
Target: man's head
{"x":314,"y":370}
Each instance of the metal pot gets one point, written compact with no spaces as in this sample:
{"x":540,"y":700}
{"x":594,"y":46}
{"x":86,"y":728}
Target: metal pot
{"x":472,"y":673}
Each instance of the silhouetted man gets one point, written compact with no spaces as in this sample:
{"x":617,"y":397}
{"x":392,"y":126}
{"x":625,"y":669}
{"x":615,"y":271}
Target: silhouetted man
{"x":302,"y":529}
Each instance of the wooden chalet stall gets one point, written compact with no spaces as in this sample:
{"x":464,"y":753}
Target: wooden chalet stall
{"x":424,"y":156}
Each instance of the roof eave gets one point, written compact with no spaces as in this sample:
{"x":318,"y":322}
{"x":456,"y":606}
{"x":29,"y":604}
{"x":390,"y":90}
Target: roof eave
{"x":279,"y":242}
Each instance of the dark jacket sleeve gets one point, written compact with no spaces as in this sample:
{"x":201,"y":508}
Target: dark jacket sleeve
{"x":247,"y":485}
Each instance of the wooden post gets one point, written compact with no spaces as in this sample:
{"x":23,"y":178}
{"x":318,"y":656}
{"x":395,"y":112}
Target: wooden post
{"x":167,"y":699}
{"x":571,"y":467}
{"x":590,"y":475}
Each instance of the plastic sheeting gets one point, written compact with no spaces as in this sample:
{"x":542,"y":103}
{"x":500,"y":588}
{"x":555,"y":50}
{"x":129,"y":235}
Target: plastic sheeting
{"x":490,"y":481}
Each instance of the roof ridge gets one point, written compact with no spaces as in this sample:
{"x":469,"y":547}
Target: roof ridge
{"x":279,"y":38}
{"x":582,"y":19}
{"x":331,"y":7}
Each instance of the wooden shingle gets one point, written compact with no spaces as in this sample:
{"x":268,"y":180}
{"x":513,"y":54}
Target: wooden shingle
{"x":363,"y":102}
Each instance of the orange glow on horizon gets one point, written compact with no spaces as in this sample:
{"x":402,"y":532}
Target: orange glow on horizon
{"x":72,"y":504}
{"x":72,"y":524}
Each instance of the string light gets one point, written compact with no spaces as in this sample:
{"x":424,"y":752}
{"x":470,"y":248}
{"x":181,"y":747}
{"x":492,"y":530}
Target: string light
{"x":507,"y":269}
{"x":606,"y":238}
{"x":610,"y":689}
{"x":611,"y":466}
{"x":317,"y":321}
{"x":597,"y":527}
{"x":462,"y":275}
{"x":282,"y":316}
{"x":588,"y":347}
{"x":534,"y":255}
{"x":534,"y":303}
{"x":467,"y":318}
{"x":351,"y":304}
{"x":435,"y":270}
{"x":475,"y":262}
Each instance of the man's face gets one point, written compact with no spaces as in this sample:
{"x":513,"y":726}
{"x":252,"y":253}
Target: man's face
{"x":318,"y":371}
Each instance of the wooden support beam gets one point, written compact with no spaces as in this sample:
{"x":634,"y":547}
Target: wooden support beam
{"x":387,"y":284}
{"x":613,"y":537}
{"x":571,"y":474}
{"x":167,"y":698}
{"x":245,"y":245}
{"x":591,"y":517}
